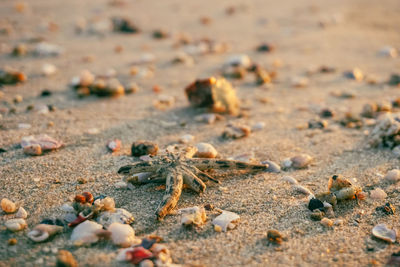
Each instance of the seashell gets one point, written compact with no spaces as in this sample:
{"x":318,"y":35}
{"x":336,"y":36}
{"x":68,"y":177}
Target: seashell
{"x":301,"y":161}
{"x":141,"y":148}
{"x":355,"y":74}
{"x":44,"y":49}
{"x":272,"y":166}
{"x":286,"y":163}
{"x":8,"y":206}
{"x":392,"y":176}
{"x":208,"y":118}
{"x":301,"y":189}
{"x":378,"y":193}
{"x":258,"y":126}
{"x":241,"y":60}
{"x":87,"y":232}
{"x":274,"y":236}
{"x":15,"y":225}
{"x":187,"y":138}
{"x":46,"y":142}
{"x":138,"y":254}
{"x":224,"y":219}
{"x":123,"y":235}
{"x":48,"y":69}
{"x":33,"y":150}
{"x":382,"y":232}
{"x":388,"y":51}
{"x":327,"y":222}
{"x":42,"y":232}
{"x":193,"y":215}
{"x":205,"y":150}
{"x":289,"y":179}
{"x":139,"y":178}
{"x":114,"y":145}
{"x":66,"y":259}
{"x":21,"y":213}
{"x":346,"y":193}
{"x":119,"y":215}
{"x":236,"y":132}
{"x":146,"y":263}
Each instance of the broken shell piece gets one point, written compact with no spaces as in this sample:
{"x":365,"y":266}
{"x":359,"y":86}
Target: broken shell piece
{"x":122,"y":216}
{"x":275,"y":236}
{"x":355,"y":74}
{"x":392,"y":176}
{"x":105,"y":204}
{"x":88,"y":232}
{"x":205,"y":150}
{"x":327,"y":222}
{"x":15,"y":225}
{"x":236,"y":132}
{"x":187,"y":138}
{"x":272,"y":166}
{"x":48,"y":69}
{"x":378,"y":193}
{"x":140,"y":178}
{"x":8,"y":206}
{"x":301,"y":189}
{"x":337,"y":182}
{"x":346,"y":193}
{"x":47,"y":50}
{"x":226,"y":219}
{"x":290,"y":180}
{"x":217,"y":94}
{"x":301,"y":161}
{"x":194,"y":215}
{"x":137,"y":254}
{"x":122,"y":235}
{"x":21,"y":213}
{"x":33,"y":150}
{"x":382,"y":232}
{"x":46,"y":142}
{"x":114,"y":145}
{"x":42,"y":232}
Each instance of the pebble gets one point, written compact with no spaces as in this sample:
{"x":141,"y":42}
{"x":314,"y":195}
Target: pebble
{"x":301,"y":161}
{"x":121,"y":185}
{"x":193,"y":216}
{"x":226,"y":220}
{"x":21,"y":213}
{"x":314,"y":204}
{"x":187,"y":138}
{"x":378,"y":193}
{"x":299,"y":82}
{"x":66,"y":259}
{"x":317,"y":215}
{"x":12,"y":241}
{"x":205,"y":150}
{"x":122,"y":235}
{"x":141,"y":148}
{"x":327,"y":222}
{"x":48,"y":69}
{"x":114,"y":145}
{"x":382,"y":232}
{"x":8,"y":206}
{"x":236,"y":132}
{"x":43,"y":232}
{"x":18,"y":99}
{"x":392,"y":176}
{"x":241,"y":60}
{"x":146,"y":263}
{"x":15,"y":225}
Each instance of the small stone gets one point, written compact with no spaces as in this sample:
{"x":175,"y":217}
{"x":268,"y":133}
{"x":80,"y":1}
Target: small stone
{"x":299,"y":82}
{"x":124,"y":25}
{"x":258,"y":126}
{"x":241,"y":60}
{"x":327,"y":222}
{"x":272,"y":166}
{"x":18,"y":99}
{"x":21,"y":213}
{"x":317,"y":124}
{"x":378,"y":193}
{"x":274,"y":236}
{"x":317,"y":215}
{"x":266,"y":47}
{"x":146,"y":263}
{"x":8,"y":206}
{"x":15,"y":225}
{"x":205,"y":150}
{"x":66,"y":259}
{"x":33,"y":150}
{"x":122,"y":235}
{"x":382,"y":232}
{"x":141,"y":148}
{"x":48,"y":69}
{"x":87,"y":232}
{"x":301,"y":161}
{"x":355,"y":74}
{"x":187,"y":138}
{"x":392,"y":176}
{"x":301,"y":189}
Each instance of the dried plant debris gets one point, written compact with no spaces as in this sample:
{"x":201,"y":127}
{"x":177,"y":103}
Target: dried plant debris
{"x":177,"y":170}
{"x":216,"y":94}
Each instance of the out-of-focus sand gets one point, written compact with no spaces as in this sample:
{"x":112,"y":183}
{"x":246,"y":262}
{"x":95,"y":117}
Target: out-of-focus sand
{"x":263,"y":201}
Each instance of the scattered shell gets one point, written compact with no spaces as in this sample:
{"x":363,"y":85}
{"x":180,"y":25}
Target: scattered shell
{"x":8,"y":206}
{"x":205,"y":150}
{"x":378,"y":193}
{"x":301,"y":189}
{"x":226,"y":220}
{"x":301,"y":161}
{"x":216,"y":94}
{"x":392,"y":176}
{"x":138,"y":254}
{"x":66,"y":259}
{"x":42,"y":232}
{"x":355,"y":74}
{"x":299,"y":82}
{"x":33,"y":150}
{"x":327,"y":222}
{"x":209,"y":118}
{"x":388,"y":51}
{"x":122,"y":235}
{"x":87,"y":232}
{"x":47,"y":50}
{"x":193,"y":216}
{"x":114,"y":145}
{"x":124,"y":25}
{"x":290,"y":180}
{"x":48,"y":69}
{"x":15,"y":225}
{"x":141,"y":148}
{"x":187,"y":138}
{"x":258,"y":126}
{"x":382,"y":232}
{"x":274,"y":236}
{"x":21,"y":213}
{"x":236,"y":132}
{"x":241,"y":60}
{"x":46,"y":142}
{"x":107,"y":218}
{"x":139,"y":178}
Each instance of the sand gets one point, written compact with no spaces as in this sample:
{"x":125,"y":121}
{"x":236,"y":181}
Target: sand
{"x":354,"y":32}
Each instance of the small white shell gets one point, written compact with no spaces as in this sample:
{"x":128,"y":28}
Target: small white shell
{"x":392,"y":176}
{"x":205,"y":150}
{"x":8,"y":206}
{"x":345,"y":193}
{"x":327,"y":222}
{"x":224,"y":219}
{"x":382,"y":232}
{"x":378,"y":193}
{"x":21,"y":213}
{"x":42,"y":232}
{"x":123,"y":235}
{"x":301,"y":189}
{"x":301,"y":161}
{"x":15,"y":225}
{"x":187,"y":138}
{"x":290,"y":180}
{"x":123,"y":216}
{"x":86,"y":233}
{"x":272,"y":166}
{"x":193,"y":215}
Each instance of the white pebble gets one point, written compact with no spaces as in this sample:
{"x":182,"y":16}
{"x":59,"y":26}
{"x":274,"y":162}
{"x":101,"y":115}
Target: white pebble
{"x":21,"y":213}
{"x":187,"y":138}
{"x":258,"y":126}
{"x":15,"y":225}
{"x":121,"y":185}
{"x":378,"y":193}
{"x":205,"y":150}
{"x":122,"y":234}
{"x":86,"y":233}
{"x":392,"y":176}
{"x":48,"y":69}
{"x":290,"y":180}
